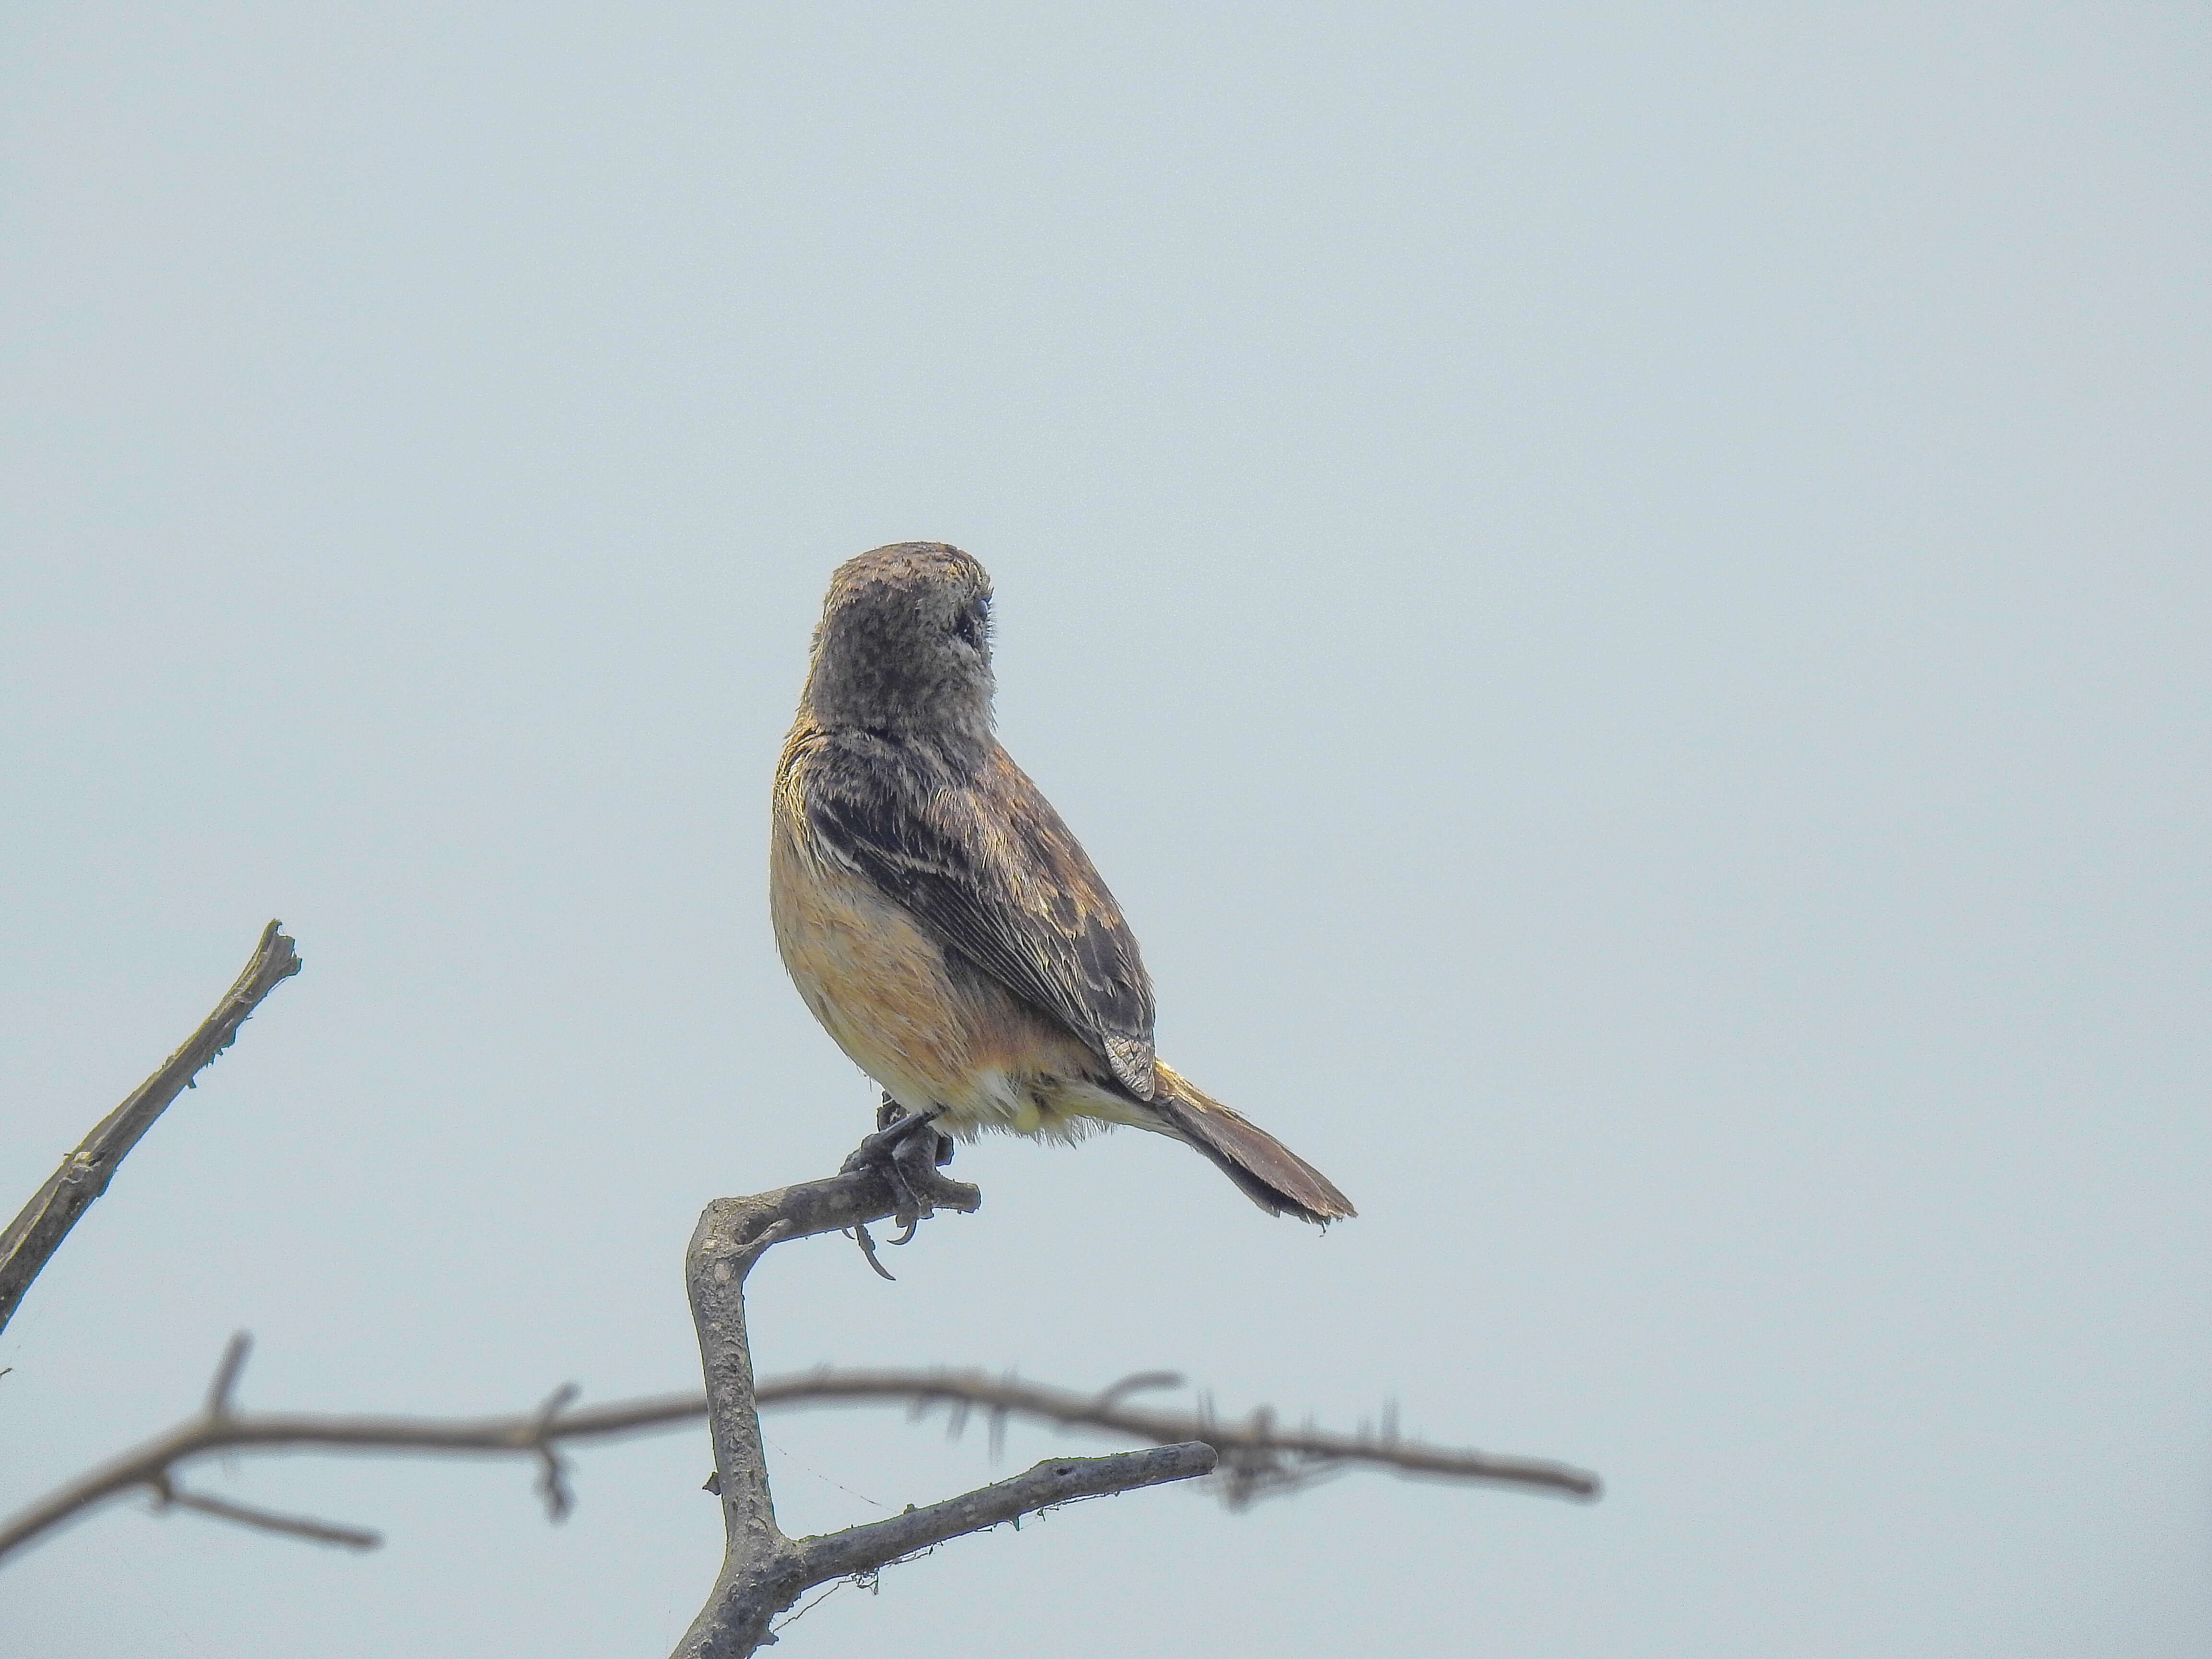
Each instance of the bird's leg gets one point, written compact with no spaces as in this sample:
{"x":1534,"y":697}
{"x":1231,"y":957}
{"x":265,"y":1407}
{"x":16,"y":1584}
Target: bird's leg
{"x":894,"y":1124}
{"x":890,"y":1114}
{"x":907,"y":1151}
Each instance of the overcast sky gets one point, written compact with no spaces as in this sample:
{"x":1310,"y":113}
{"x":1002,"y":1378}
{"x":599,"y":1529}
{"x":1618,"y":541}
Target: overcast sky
{"x":1620,"y":592}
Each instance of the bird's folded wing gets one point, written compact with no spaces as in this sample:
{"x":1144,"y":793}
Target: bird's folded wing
{"x":988,"y":865}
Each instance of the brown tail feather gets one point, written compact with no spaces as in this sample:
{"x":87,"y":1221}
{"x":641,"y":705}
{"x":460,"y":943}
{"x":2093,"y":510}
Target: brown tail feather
{"x":1269,"y":1173}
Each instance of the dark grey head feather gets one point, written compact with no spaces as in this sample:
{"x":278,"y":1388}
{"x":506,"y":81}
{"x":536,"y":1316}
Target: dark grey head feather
{"x":904,"y":644}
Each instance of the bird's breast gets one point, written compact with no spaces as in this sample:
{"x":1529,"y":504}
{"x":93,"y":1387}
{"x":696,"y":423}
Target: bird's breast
{"x":934,"y":1032}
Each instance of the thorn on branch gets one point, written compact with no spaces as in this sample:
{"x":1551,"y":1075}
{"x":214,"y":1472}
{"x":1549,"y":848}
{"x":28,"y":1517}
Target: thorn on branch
{"x":227,"y":1372}
{"x":553,"y":1470}
{"x":1259,"y":1455}
{"x":1246,"y":1477}
{"x":1137,"y":1382}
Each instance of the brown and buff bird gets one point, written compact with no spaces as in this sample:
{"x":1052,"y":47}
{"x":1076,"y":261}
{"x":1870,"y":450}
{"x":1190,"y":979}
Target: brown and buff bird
{"x":939,"y":918}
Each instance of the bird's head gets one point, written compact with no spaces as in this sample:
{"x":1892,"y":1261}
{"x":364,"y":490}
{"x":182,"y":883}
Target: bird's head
{"x":904,"y":643}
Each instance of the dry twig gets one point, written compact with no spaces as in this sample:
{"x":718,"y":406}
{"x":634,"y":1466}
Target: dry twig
{"x":154,"y":1465}
{"x":221,"y":1429}
{"x":35,"y":1234}
{"x":1250,"y":1450}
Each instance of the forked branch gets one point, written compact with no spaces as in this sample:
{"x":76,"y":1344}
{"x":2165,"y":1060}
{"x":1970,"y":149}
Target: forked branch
{"x":763,"y":1571}
{"x":154,"y":1467}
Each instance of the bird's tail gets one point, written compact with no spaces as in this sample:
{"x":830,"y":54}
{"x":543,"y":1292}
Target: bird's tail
{"x":1269,"y":1173}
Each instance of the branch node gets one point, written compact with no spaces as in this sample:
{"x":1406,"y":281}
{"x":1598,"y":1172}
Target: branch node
{"x":775,"y":1233}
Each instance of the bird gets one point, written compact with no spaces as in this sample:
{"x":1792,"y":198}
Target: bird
{"x":943,"y":924}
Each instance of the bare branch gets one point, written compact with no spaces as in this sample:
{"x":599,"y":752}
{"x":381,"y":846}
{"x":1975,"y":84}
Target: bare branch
{"x":1257,"y":1437}
{"x":37,"y":1232}
{"x":1058,"y":1481}
{"x":761,"y":1573}
{"x":293,"y":1526}
{"x":764,"y":1572}
{"x":529,"y":1434}
{"x":152,"y":1466}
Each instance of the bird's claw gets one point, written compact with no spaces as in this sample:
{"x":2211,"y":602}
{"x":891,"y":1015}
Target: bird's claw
{"x":907,"y":1153}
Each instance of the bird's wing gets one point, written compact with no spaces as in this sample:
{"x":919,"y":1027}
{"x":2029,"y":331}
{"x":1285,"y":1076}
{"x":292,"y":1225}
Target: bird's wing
{"x":989,"y":866}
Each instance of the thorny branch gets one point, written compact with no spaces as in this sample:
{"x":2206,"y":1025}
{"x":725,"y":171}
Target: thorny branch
{"x":153,"y":1467}
{"x":34,"y":1234}
{"x":221,"y":1428}
{"x":763,"y":1571}
{"x":1258,"y":1456}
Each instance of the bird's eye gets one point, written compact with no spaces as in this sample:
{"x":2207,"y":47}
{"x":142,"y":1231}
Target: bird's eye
{"x":975,"y":623}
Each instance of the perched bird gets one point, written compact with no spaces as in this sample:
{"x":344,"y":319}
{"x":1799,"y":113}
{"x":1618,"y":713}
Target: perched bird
{"x":939,"y":918}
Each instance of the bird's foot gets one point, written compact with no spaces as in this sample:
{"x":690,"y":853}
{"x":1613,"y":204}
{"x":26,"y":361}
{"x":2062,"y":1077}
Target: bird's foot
{"x":906,"y":1152}
{"x":894,"y":1120}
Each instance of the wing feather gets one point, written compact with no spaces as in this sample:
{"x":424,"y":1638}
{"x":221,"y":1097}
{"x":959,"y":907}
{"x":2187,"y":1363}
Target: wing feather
{"x":980,"y":855}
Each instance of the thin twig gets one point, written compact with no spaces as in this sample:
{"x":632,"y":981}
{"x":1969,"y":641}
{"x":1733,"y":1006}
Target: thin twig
{"x":227,"y":1374}
{"x":1137,"y":1382}
{"x":1058,"y":1481}
{"x":1259,"y":1434}
{"x":37,"y":1230}
{"x":810,"y":1606}
{"x":153,"y":1466}
{"x":292,"y":1526}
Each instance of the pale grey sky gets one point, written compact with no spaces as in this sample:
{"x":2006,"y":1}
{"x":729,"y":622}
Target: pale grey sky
{"x":1619,"y":592}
